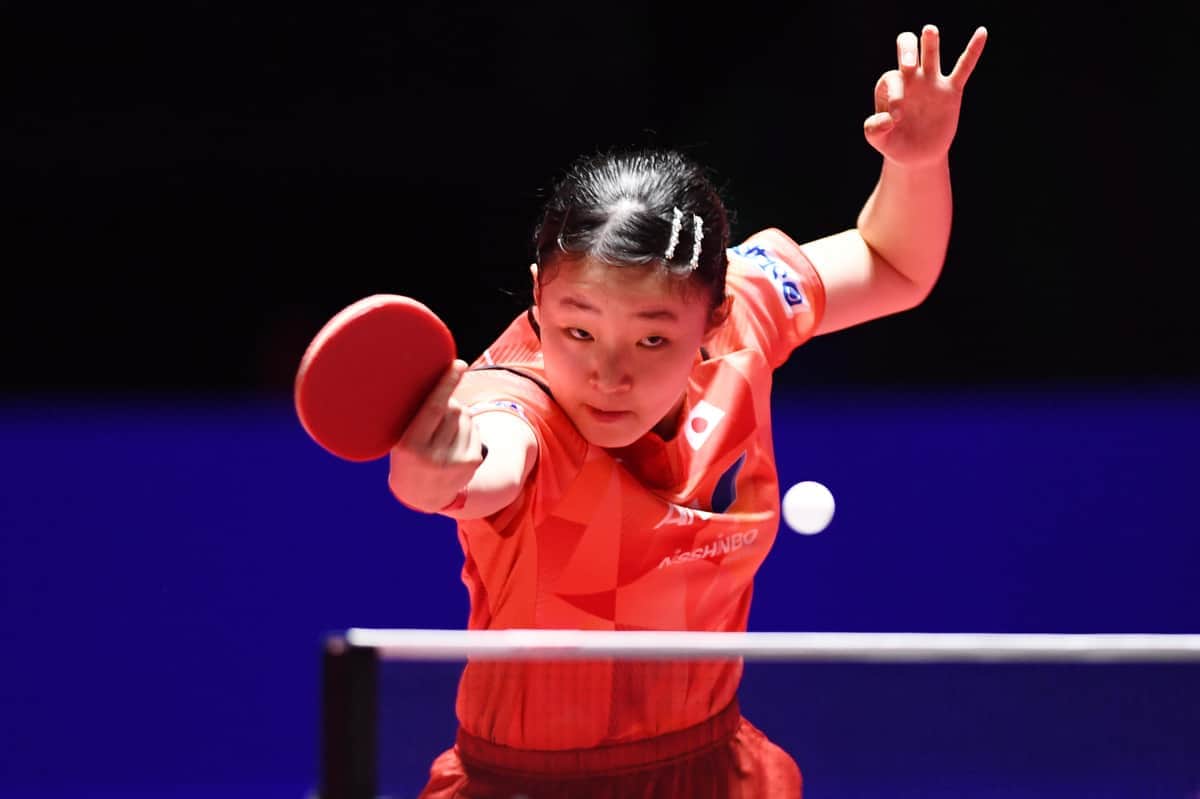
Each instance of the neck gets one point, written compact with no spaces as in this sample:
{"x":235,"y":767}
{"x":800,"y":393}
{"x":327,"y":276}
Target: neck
{"x":669,"y":425}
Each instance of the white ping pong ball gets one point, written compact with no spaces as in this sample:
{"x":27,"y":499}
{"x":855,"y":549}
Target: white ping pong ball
{"x":808,"y":507}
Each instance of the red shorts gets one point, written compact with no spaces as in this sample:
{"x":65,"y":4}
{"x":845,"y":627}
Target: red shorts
{"x":725,"y":757}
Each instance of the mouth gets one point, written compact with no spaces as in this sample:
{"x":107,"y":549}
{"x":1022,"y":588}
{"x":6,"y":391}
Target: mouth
{"x":606,"y":416}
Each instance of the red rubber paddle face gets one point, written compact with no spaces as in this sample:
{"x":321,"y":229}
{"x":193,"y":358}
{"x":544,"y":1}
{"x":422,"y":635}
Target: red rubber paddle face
{"x":367,"y":372}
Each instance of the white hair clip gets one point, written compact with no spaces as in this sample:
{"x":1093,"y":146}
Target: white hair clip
{"x":697,"y":237}
{"x":676,"y":224}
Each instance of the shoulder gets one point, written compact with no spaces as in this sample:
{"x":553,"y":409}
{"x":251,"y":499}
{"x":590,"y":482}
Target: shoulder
{"x":772,"y":258}
{"x":517,"y":344}
{"x":777,"y":298}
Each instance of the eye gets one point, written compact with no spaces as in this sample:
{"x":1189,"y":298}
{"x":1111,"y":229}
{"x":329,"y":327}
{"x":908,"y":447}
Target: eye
{"x":653,"y":342}
{"x":578,"y":334}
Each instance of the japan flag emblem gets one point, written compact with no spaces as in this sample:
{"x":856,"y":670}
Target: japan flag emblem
{"x":701,"y":423}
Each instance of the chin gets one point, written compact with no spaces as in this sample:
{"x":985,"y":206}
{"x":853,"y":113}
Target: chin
{"x":608,"y":439}
{"x":609,"y":436}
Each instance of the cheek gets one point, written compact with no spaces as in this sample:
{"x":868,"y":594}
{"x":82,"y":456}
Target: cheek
{"x":669,"y":376}
{"x":561,"y":365}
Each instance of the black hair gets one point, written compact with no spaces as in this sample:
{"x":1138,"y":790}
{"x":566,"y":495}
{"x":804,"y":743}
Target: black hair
{"x":621,"y":207}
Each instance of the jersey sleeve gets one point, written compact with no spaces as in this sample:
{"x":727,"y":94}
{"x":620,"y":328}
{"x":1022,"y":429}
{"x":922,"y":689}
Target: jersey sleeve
{"x":499,"y":390}
{"x":561,"y":448}
{"x":778,"y":297}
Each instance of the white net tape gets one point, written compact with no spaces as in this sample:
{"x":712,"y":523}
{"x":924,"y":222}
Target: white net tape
{"x":451,"y":645}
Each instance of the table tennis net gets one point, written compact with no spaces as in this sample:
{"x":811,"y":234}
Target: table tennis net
{"x":389,"y":696}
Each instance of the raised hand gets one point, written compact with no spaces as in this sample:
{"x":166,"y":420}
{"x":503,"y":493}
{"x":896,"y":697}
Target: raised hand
{"x":916,"y":106}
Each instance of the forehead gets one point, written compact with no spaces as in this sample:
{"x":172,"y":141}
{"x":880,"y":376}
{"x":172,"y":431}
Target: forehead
{"x":631,"y":287}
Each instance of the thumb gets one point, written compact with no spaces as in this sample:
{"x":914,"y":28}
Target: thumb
{"x":877,"y":127}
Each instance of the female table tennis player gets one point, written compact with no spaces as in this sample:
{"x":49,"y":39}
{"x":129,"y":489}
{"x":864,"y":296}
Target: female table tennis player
{"x":609,"y":458}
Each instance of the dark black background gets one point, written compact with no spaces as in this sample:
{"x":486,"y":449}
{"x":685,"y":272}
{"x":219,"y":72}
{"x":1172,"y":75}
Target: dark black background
{"x":191,"y":189}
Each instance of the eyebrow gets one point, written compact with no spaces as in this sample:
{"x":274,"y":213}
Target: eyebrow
{"x":653,"y":314}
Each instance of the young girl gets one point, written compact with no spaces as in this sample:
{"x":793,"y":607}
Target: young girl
{"x":609,"y":458}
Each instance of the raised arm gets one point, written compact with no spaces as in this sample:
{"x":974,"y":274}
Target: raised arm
{"x":891,"y":260}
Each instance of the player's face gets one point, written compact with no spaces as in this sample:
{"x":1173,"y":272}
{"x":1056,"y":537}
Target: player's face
{"x":619,"y":344}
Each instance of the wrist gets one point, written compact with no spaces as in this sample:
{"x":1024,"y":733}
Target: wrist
{"x":460,"y":499}
{"x":935,"y":167}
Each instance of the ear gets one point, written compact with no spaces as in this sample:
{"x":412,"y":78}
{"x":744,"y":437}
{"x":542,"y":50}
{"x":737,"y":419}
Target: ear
{"x":537,"y":292}
{"x":718,"y":317}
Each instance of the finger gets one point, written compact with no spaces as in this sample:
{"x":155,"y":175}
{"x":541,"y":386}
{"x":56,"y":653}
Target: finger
{"x":906,"y":52}
{"x":881,"y":94}
{"x":931,"y":57}
{"x":429,"y":416}
{"x":472,"y":449}
{"x":889,"y":92}
{"x":443,"y":444}
{"x":969,"y":58}
{"x":876,"y":127}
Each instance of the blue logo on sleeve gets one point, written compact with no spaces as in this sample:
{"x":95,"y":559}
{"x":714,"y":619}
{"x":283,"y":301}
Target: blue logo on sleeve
{"x":503,"y":405}
{"x":786,"y":282}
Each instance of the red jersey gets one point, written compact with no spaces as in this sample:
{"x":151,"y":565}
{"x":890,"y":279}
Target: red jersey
{"x":660,"y":535}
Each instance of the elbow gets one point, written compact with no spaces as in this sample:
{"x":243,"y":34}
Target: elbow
{"x":917,"y":293}
{"x":912,"y":286}
{"x":907,"y":277}
{"x":918,"y":278}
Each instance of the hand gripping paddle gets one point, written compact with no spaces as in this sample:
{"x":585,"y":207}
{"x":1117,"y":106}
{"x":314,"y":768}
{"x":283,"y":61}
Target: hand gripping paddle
{"x":367,"y":371}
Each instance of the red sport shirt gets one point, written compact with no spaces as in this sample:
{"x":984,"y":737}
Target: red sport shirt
{"x":660,"y":535}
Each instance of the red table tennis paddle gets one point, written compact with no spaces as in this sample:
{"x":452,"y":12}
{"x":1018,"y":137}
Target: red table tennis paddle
{"x":367,"y":371}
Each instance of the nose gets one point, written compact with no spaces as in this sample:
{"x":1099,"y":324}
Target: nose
{"x":609,"y":374}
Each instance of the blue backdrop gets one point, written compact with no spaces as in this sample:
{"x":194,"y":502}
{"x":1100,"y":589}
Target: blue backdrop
{"x":168,"y":570}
